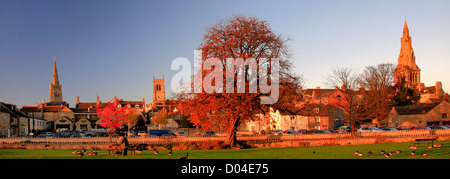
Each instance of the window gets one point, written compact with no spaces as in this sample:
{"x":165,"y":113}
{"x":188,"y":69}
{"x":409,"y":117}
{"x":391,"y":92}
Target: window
{"x":444,"y":115}
{"x":316,"y":110}
{"x":317,"y":118}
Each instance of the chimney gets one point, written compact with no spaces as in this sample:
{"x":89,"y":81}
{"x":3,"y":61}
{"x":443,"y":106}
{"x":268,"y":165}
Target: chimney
{"x":317,"y":87}
{"x":362,"y":89}
{"x":343,"y":87}
{"x":98,"y":100}
{"x":439,"y":89}
{"x":78,"y":100}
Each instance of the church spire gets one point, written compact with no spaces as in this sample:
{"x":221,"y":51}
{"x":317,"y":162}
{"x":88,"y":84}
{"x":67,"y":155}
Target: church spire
{"x":55,"y":87}
{"x":55,"y":80}
{"x":405,"y":29}
{"x":407,"y":57}
{"x":407,"y":67}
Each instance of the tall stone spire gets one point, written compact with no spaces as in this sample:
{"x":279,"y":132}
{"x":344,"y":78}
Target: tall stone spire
{"x":407,"y":56}
{"x":55,"y":87}
{"x":55,"y":80}
{"x":407,"y":67}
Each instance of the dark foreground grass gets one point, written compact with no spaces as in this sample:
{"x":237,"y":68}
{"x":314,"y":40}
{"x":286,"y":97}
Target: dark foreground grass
{"x":320,"y":152}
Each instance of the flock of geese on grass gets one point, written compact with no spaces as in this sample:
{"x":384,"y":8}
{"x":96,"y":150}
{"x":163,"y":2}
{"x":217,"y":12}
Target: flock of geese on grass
{"x":94,"y":152}
{"x":389,"y":154}
{"x":156,"y":152}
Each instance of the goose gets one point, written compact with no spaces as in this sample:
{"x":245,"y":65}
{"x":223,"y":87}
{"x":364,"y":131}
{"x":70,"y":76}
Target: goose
{"x":413,"y":153}
{"x":81,"y":153}
{"x":387,"y":155}
{"x":429,"y":147}
{"x":398,"y":151}
{"x":383,"y":152}
{"x":170,"y":152}
{"x":413,"y":147}
{"x":94,"y":151}
{"x":185,"y":157}
{"x":74,"y":152}
{"x":437,"y":145}
{"x":155,"y":152}
{"x":357,"y":153}
{"x":369,"y":152}
{"x":425,"y":153}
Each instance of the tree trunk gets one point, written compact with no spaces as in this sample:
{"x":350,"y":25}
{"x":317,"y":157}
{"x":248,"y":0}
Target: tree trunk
{"x":231,"y":138}
{"x":231,"y":134}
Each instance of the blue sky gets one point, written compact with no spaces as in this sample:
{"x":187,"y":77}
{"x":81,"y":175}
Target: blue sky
{"x":113,"y":47}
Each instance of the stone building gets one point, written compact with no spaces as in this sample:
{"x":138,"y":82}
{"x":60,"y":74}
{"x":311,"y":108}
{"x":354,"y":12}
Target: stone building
{"x":5,"y":118}
{"x":14,"y":122}
{"x":425,"y":114}
{"x":310,"y":116}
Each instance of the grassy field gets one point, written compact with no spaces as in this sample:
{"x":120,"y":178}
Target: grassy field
{"x":322,"y":152}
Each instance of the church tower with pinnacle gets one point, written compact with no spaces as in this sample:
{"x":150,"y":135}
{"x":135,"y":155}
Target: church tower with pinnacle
{"x":159,"y":95}
{"x":407,"y":68}
{"x":55,"y":87}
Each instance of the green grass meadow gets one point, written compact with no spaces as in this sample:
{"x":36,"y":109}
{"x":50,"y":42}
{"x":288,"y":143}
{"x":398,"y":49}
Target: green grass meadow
{"x":320,"y":152}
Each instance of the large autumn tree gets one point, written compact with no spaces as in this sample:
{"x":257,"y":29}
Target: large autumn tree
{"x":239,"y":37}
{"x":112,"y":115}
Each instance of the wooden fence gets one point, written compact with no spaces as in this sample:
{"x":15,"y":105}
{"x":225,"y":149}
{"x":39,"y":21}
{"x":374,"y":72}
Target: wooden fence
{"x":159,"y":140}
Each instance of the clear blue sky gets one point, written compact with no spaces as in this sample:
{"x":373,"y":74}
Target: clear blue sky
{"x":113,"y":47}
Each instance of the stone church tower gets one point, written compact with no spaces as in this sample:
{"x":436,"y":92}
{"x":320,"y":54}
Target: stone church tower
{"x":159,"y":94}
{"x":407,"y":67}
{"x":55,"y":87}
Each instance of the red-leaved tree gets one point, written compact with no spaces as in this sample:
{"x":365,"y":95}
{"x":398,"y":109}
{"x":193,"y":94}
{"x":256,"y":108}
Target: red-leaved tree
{"x":112,"y":115}
{"x":238,"y":37}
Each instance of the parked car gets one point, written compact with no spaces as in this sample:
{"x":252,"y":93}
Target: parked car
{"x":420,"y":128}
{"x":102,"y":134}
{"x":46,"y":134}
{"x":291,"y":132}
{"x":150,"y":136}
{"x":345,"y":129}
{"x":437,"y":127}
{"x":303,"y":131}
{"x":76,"y":135}
{"x":210,"y":134}
{"x":140,"y":133}
{"x":316,"y":131}
{"x":161,"y":133}
{"x":403,"y":128}
{"x":385,"y":128}
{"x":64,"y":134}
{"x":369,"y":129}
{"x":181,"y":133}
{"x":277,"y":132}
